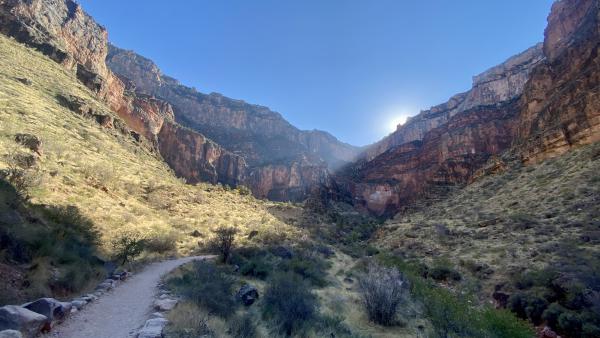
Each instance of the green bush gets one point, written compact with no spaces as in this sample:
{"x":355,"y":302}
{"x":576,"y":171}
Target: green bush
{"x":289,"y":303}
{"x":208,"y":286}
{"x":503,"y":324}
{"x":313,"y":269}
{"x":242,"y":327}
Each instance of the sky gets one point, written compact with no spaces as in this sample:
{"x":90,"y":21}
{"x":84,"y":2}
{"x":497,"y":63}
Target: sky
{"x":354,"y":68}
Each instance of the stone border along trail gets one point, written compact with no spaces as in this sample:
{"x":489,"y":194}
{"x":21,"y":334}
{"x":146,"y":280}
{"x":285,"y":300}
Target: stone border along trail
{"x":122,"y":311}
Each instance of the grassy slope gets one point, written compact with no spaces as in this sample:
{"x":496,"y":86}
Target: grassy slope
{"x":114,"y":182}
{"x":527,"y":217}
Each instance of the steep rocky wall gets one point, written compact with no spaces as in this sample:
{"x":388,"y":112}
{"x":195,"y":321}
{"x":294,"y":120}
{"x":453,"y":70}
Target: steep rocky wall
{"x":561,"y":102}
{"x":198,"y":159}
{"x":499,"y":84}
{"x":448,"y":154}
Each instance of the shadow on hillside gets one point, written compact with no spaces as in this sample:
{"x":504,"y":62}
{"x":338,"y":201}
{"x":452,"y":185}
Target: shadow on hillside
{"x":46,"y":250}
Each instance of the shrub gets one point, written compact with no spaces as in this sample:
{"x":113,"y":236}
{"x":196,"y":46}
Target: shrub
{"x":312,"y":268}
{"x":444,"y":273}
{"x":128,"y":246}
{"x":502,"y":323}
{"x":207,"y":286}
{"x":289,"y":302}
{"x":382,"y":290}
{"x":187,"y":321}
{"x":257,"y":267}
{"x":242,"y":327}
{"x":222,"y":241}
{"x":162,"y":243}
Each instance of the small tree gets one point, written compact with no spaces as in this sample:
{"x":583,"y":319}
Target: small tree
{"x":222,"y":242}
{"x":128,"y":246}
{"x":382,"y":290}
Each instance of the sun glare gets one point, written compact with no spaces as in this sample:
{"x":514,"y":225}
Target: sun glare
{"x":397,"y":120}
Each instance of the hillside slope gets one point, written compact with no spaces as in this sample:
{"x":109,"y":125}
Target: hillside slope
{"x":92,"y":162}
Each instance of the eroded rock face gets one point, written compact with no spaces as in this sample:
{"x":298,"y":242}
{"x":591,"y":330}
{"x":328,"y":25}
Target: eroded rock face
{"x":561,"y":102}
{"x":61,"y":30}
{"x":499,"y":84}
{"x":449,"y":154}
{"x":193,"y":156}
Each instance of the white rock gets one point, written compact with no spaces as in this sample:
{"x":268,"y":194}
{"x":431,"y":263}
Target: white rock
{"x":10,"y":334}
{"x":165,"y":304}
{"x":153,"y":328}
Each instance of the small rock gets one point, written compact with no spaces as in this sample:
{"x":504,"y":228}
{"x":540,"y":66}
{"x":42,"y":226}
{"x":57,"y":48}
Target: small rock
{"x":165,"y":304}
{"x":29,"y":323}
{"x":153,"y":328}
{"x":104,"y":286}
{"x":24,"y":81}
{"x":157,"y":315}
{"x":78,"y":303}
{"x":247,"y":294}
{"x":10,"y":334}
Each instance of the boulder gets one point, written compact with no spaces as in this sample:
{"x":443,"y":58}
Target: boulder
{"x":247,"y":294}
{"x":165,"y":304}
{"x":29,"y":323}
{"x":153,"y":328}
{"x":10,"y":334}
{"x":53,"y":309}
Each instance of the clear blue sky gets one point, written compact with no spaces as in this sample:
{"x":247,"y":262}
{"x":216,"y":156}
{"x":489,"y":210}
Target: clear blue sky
{"x":349,"y":67}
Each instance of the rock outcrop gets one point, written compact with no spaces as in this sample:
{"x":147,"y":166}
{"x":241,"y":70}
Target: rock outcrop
{"x":65,"y":33}
{"x":193,"y":156}
{"x":561,"y":102}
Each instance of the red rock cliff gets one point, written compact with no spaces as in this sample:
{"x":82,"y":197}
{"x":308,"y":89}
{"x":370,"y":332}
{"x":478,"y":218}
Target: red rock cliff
{"x":561,"y":102}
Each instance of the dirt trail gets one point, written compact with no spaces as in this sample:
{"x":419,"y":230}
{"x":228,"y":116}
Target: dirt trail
{"x":121,"y":311}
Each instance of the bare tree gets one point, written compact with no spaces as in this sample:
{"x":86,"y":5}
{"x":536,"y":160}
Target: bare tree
{"x":382,"y":290}
{"x":222,"y":242}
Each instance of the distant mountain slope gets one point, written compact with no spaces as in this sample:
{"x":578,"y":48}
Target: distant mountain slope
{"x":284,"y":161}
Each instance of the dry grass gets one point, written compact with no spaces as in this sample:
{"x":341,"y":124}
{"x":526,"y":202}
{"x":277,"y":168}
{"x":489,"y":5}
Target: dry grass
{"x":120,"y":186}
{"x":511,"y":221}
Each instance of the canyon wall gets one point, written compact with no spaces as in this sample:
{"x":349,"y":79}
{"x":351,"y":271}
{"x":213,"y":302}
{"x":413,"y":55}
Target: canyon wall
{"x":284,"y":163}
{"x":61,"y":30}
{"x":499,"y":84}
{"x":540,"y":104}
{"x":561,"y":102}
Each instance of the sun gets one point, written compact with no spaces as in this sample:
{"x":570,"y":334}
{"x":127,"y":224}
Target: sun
{"x":397,"y":120}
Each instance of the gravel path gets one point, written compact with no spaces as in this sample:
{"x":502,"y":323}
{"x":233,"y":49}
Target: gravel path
{"x":121,"y":311}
